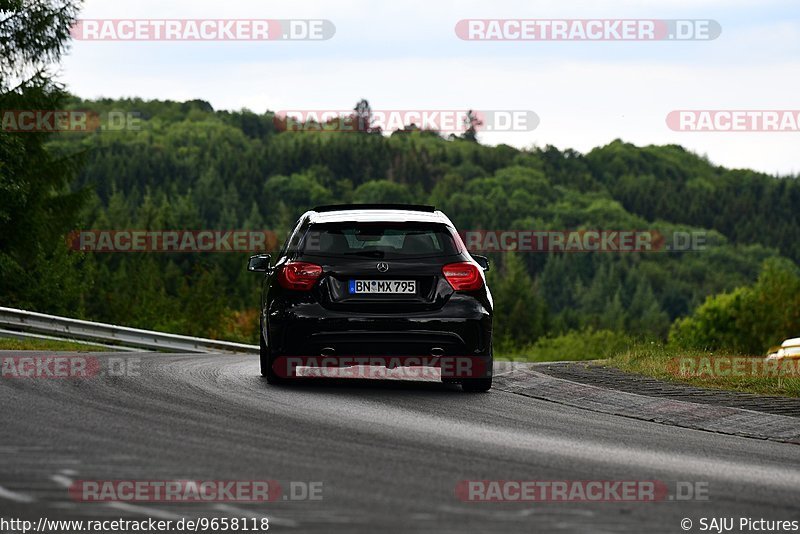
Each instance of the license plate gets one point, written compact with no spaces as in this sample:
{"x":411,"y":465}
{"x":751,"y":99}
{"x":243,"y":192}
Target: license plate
{"x":402,"y":287}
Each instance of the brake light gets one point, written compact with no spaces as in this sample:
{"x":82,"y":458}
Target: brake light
{"x":299,"y":275}
{"x":463,"y":276}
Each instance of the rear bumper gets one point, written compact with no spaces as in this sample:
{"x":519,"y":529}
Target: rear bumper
{"x":462,"y":327}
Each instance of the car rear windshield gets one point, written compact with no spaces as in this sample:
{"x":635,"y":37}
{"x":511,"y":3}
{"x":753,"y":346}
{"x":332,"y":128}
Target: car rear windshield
{"x":380,"y":240}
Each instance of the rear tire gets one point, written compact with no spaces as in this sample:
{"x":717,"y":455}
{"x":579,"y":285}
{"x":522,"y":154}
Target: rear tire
{"x":480,"y":385}
{"x":477,"y":385}
{"x":266,"y":364}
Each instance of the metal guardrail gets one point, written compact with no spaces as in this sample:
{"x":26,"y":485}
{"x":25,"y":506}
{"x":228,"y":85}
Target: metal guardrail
{"x":16,"y":334}
{"x":76,"y":329}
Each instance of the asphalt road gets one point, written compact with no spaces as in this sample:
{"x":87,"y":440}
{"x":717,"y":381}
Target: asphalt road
{"x":388,"y":455}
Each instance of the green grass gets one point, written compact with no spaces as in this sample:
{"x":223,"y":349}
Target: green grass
{"x":586,"y":345}
{"x":663,"y":362}
{"x":656,"y":360}
{"x":48,"y":344}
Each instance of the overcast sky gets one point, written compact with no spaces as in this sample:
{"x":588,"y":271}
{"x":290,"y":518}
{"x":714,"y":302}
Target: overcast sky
{"x":406,"y":55}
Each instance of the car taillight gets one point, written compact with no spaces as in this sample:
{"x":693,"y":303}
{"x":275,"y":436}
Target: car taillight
{"x":463,"y":276}
{"x":299,"y":275}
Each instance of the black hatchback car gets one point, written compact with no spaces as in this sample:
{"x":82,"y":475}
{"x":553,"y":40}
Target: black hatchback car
{"x":376,"y":283}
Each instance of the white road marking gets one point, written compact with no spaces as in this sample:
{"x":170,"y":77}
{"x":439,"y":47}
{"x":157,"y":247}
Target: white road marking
{"x":14,"y":496}
{"x":123,"y":506}
{"x":143,"y":510}
{"x":61,"y":480}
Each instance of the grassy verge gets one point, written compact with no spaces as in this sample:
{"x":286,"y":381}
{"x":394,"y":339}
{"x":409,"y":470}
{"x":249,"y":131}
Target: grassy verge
{"x":708,"y":370}
{"x":665,"y":362}
{"x":8,"y":343}
{"x":586,"y":345}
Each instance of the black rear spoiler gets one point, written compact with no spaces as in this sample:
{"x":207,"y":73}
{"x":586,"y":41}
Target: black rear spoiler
{"x":345,"y":207}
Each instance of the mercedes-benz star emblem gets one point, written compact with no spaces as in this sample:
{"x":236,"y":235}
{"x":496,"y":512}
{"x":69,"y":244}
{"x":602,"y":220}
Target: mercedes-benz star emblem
{"x":383,"y":266}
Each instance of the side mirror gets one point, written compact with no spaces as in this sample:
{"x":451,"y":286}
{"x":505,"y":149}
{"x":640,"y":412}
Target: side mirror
{"x":483,"y":261}
{"x":259,"y":263}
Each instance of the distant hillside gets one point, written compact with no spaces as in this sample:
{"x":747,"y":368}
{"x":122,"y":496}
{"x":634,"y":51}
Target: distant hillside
{"x":189,"y":166}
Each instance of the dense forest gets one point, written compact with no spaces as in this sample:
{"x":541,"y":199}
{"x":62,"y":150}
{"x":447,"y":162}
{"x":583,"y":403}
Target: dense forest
{"x":185,"y":165}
